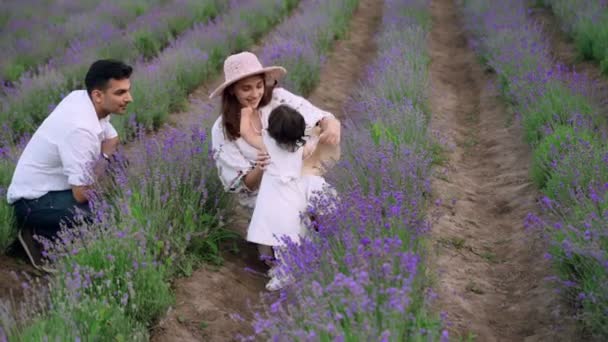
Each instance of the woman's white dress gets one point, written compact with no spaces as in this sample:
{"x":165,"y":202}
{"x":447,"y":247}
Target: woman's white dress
{"x":282,"y":197}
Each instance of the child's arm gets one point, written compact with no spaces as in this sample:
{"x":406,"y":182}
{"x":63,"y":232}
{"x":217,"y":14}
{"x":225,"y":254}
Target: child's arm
{"x":247,"y":132}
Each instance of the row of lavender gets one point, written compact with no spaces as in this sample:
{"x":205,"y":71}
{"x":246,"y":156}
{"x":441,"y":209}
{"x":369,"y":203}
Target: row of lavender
{"x":302,"y":48}
{"x":563,"y":125}
{"x":587,"y":22}
{"x":159,"y":216}
{"x":17,"y":17}
{"x":361,"y":276}
{"x":20,"y":20}
{"x":25,"y":42}
{"x":27,"y":102}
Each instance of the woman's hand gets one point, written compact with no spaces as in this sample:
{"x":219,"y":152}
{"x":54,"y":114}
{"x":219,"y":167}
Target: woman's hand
{"x":253,"y":179}
{"x":330,"y":131}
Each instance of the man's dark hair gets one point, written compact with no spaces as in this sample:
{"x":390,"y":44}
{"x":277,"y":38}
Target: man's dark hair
{"x":102,"y":71}
{"x":287,"y":126}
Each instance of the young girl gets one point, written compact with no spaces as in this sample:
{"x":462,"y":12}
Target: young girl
{"x":284,"y":193}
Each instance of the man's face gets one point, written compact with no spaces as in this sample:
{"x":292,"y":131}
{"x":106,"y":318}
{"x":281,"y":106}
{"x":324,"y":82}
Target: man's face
{"x":115,"y":98}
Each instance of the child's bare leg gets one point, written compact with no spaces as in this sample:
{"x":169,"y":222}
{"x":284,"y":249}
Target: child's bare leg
{"x":266,"y":254}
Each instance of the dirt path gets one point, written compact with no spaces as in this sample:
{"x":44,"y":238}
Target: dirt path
{"x":564,"y":51}
{"x":491,"y":272}
{"x":11,"y":266}
{"x":206,"y":300}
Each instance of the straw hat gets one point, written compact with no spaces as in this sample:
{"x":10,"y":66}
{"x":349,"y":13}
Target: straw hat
{"x":243,"y":65}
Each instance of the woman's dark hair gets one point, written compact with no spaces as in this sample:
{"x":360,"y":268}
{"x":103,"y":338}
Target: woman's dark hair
{"x":102,"y":71}
{"x":231,"y":109}
{"x":287,"y":126}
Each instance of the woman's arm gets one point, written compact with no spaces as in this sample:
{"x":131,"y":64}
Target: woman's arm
{"x":330,"y":131}
{"x":232,"y":166}
{"x":309,"y":148}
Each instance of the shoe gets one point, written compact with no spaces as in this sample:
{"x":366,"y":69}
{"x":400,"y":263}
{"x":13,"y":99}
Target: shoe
{"x":271,"y":272}
{"x":48,"y":269}
{"x":30,"y":246}
{"x":32,"y":250}
{"x":278,"y":281}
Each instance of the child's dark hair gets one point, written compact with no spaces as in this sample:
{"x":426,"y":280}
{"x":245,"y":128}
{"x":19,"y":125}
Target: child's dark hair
{"x":287,"y":126}
{"x":102,"y":71}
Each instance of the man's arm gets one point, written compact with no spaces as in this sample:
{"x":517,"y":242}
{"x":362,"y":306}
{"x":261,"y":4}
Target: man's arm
{"x":79,"y":151}
{"x":109,"y":146}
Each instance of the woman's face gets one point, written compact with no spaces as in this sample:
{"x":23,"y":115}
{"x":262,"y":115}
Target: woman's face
{"x":249,"y":91}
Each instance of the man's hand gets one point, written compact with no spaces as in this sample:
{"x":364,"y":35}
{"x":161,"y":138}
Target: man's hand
{"x":80,"y":193}
{"x":330,"y":131}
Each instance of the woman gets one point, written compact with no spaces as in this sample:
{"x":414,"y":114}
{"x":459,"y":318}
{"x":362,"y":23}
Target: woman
{"x":248,"y":85}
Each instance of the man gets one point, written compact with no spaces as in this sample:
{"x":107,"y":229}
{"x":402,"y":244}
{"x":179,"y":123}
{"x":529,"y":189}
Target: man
{"x":54,"y":173}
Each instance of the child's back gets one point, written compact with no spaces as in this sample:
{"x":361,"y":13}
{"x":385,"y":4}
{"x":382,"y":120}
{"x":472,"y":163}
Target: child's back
{"x":284,"y":194}
{"x":282,"y":197}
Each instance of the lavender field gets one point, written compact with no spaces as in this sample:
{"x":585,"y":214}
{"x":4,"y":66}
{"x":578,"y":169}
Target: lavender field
{"x":472,"y":184}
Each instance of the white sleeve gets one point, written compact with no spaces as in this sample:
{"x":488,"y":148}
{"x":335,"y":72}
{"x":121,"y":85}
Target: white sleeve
{"x":109,"y":131}
{"x":312,"y":114}
{"x":79,"y":150}
{"x":231,"y":164}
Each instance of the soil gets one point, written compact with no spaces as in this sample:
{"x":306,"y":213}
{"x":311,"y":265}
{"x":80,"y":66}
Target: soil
{"x":13,"y":271}
{"x":206,"y":300}
{"x":491,"y":274}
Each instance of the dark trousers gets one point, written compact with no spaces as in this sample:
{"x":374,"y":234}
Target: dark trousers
{"x":47,"y":214}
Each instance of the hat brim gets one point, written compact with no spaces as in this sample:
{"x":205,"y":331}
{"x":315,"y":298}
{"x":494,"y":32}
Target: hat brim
{"x":272,"y":73}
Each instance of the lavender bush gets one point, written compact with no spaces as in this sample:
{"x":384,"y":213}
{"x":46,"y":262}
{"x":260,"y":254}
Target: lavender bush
{"x":301,"y":46}
{"x":361,"y":275}
{"x":26,"y":44}
{"x":9,"y":154}
{"x":587,"y":23}
{"x":563,"y":124}
{"x":22,"y":20}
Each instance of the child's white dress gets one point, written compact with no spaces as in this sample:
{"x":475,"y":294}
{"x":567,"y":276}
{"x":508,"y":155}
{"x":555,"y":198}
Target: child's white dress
{"x":283,"y":195}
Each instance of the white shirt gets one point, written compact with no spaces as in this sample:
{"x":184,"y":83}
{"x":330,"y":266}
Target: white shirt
{"x":62,"y":150}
